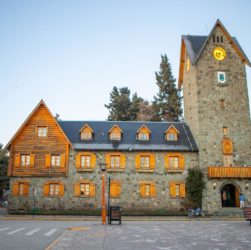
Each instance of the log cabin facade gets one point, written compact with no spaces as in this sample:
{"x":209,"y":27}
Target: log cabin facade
{"x":54,"y":165}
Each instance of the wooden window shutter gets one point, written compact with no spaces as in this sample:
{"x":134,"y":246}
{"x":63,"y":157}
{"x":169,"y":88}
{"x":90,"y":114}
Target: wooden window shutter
{"x":167,"y":161}
{"x":61,"y":189}
{"x":181,"y":162}
{"x":122,"y":161}
{"x":153,"y":190}
{"x":182,"y":190}
{"x":137,"y":161}
{"x":172,"y":190}
{"x":118,"y":189}
{"x":26,"y":189}
{"x":32,"y":160}
{"x":92,"y":190}
{"x":47,"y":160}
{"x":152,"y":161}
{"x":46,"y":189}
{"x":112,"y":189}
{"x":17,"y":160}
{"x":108,"y":160}
{"x":93,"y":161}
{"x":78,"y":160}
{"x":62,"y":160}
{"x":142,"y":190}
{"x":77,"y":189}
{"x":15,"y":189}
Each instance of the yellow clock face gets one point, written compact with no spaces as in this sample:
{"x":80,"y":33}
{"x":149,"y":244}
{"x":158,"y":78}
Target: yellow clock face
{"x":219,"y":53}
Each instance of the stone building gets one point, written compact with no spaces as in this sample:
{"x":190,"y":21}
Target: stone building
{"x":55,"y":165}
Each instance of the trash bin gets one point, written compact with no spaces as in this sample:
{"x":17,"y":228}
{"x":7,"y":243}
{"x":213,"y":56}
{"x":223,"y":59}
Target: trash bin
{"x":115,"y":214}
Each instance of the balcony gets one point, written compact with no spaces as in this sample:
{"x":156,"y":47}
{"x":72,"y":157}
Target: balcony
{"x":229,"y":172}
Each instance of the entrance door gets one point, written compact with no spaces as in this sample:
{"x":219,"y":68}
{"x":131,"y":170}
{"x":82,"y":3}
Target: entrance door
{"x":230,"y":196}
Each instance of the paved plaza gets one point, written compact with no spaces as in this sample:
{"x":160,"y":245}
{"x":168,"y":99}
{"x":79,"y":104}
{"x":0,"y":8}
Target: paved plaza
{"x":159,"y":235}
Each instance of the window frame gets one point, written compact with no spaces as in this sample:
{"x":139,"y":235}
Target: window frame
{"x":25,"y":156}
{"x":86,"y":193}
{"x":115,"y":161}
{"x":144,"y":161}
{"x":55,"y":163}
{"x":54,"y":193}
{"x":41,"y":135}
{"x":83,"y":162}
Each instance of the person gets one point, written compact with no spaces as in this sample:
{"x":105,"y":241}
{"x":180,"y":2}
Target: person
{"x":242,"y":199}
{"x":224,"y":198}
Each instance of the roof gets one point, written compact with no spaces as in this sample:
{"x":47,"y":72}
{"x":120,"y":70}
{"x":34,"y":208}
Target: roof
{"x":128,"y":141}
{"x":194,"y":45}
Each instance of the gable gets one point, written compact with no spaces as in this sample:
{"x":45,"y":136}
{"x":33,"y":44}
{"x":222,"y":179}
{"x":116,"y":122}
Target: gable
{"x":193,"y":46}
{"x":27,"y":137}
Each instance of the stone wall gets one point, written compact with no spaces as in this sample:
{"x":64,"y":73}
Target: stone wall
{"x":130,"y":197}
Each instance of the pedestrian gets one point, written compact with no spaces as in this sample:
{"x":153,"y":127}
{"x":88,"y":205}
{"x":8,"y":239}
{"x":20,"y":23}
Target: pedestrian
{"x":224,"y":198}
{"x":242,"y":199}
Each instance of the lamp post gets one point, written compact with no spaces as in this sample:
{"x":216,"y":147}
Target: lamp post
{"x":103,"y":169}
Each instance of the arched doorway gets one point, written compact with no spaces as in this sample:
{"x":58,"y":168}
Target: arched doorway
{"x":230,"y":196}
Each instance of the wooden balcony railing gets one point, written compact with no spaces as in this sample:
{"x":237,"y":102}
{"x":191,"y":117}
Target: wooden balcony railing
{"x":229,"y":172}
{"x":38,"y":171}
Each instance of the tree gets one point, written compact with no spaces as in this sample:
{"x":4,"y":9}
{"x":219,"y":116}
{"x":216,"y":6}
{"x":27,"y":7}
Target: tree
{"x":3,"y":169}
{"x":194,"y":185}
{"x":167,"y":103}
{"x":145,"y":112}
{"x":120,"y":105}
{"x":135,"y":107}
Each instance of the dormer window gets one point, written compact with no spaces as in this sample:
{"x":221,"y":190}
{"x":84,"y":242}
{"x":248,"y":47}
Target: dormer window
{"x":115,"y":133}
{"x":143,"y":134}
{"x":172,"y":133}
{"x":86,"y":132}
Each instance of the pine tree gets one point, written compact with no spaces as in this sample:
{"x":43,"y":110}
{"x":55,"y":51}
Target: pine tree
{"x":120,"y":105}
{"x":135,"y":106}
{"x":167,"y":103}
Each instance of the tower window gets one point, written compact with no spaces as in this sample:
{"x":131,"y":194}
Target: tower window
{"x":222,"y":103}
{"x":225,"y":131}
{"x":221,"y":39}
{"x":218,"y":39}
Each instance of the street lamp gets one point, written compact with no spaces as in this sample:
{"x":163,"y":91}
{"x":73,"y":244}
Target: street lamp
{"x":103,"y":169}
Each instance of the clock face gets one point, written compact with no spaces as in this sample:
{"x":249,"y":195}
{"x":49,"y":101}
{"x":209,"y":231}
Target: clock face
{"x":219,"y":53}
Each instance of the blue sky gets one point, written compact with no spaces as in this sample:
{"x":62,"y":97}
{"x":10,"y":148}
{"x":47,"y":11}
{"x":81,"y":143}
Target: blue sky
{"x":71,"y":53}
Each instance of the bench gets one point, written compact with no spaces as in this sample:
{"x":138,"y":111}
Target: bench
{"x":247,"y":213}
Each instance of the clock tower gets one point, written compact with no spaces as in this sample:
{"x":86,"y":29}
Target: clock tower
{"x":213,"y":78}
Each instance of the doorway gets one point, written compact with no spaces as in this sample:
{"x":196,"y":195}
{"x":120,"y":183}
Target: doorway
{"x":230,"y":196}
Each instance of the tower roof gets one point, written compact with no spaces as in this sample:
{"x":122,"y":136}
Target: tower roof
{"x":194,"y":45}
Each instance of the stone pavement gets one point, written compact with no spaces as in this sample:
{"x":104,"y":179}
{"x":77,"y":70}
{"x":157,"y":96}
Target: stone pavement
{"x":159,"y":235}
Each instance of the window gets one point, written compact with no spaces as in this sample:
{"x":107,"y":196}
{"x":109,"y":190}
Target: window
{"x":86,"y":132}
{"x":86,"y":161}
{"x":115,"y":189}
{"x":25,"y":160}
{"x":20,"y":188}
{"x":143,"y":136}
{"x":225,"y":131}
{"x":143,"y":133}
{"x":222,"y":103}
{"x":115,"y":136}
{"x":86,"y":135}
{"x":172,"y":137}
{"x":55,"y":160}
{"x":177,"y":190}
{"x":172,"y":133}
{"x":221,"y":77}
{"x":115,"y":133}
{"x":174,"y":162}
{"x":42,"y":131}
{"x":144,"y":161}
{"x":147,"y":190}
{"x":54,"y":189}
{"x":115,"y":161}
{"x":85,"y":189}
